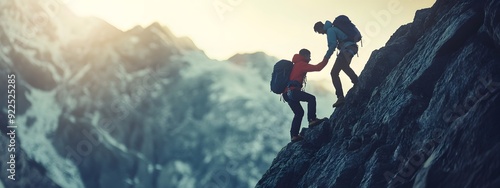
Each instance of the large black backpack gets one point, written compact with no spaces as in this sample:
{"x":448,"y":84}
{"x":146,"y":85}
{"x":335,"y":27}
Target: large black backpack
{"x":345,"y":25}
{"x":281,"y":76}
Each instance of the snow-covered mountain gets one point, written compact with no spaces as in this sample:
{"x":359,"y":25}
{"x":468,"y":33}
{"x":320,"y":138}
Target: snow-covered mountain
{"x":99,"y":107}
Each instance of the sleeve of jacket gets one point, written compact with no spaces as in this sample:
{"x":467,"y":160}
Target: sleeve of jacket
{"x":332,"y":42}
{"x":318,"y":67}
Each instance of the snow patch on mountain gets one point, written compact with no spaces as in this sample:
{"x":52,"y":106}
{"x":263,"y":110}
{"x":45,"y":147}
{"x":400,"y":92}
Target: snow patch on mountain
{"x":37,"y":141}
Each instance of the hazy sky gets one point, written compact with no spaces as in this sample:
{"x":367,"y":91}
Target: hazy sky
{"x":280,"y":28}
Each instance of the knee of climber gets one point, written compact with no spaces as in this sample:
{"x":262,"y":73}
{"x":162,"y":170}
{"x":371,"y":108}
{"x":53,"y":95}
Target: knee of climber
{"x":335,"y":73}
{"x":299,"y":113}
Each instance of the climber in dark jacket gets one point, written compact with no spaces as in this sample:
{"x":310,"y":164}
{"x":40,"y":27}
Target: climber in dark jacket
{"x":347,"y":50}
{"x":294,"y":94}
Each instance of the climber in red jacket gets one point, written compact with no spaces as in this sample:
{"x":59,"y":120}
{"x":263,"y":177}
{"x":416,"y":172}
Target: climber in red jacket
{"x":294,"y":93}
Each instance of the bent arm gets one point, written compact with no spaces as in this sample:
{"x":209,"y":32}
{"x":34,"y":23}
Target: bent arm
{"x":332,"y":43}
{"x":318,"y":67}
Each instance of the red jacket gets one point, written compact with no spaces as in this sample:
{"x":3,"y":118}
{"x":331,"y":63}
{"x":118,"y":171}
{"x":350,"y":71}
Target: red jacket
{"x":301,"y":67}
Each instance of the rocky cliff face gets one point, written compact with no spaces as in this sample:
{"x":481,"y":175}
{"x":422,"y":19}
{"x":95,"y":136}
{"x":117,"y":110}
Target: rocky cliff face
{"x":424,"y":114}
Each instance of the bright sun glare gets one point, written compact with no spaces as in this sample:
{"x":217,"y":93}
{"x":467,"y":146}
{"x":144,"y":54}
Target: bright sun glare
{"x":257,"y":25}
{"x":122,"y":14}
{"x":245,"y":28}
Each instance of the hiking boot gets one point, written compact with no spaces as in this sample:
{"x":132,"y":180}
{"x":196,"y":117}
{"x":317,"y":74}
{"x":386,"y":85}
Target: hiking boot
{"x":314,"y":122}
{"x":297,"y":138}
{"x":339,"y":102}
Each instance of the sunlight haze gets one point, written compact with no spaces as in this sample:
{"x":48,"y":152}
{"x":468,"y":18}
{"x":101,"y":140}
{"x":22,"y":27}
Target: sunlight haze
{"x":222,"y":28}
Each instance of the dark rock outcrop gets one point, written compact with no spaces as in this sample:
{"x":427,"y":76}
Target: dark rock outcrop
{"x":424,"y":114}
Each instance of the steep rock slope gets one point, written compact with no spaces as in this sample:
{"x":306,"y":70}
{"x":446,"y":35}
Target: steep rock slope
{"x":424,"y":114}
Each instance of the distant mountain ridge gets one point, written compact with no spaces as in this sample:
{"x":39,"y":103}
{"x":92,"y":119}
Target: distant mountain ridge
{"x":100,"y":107}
